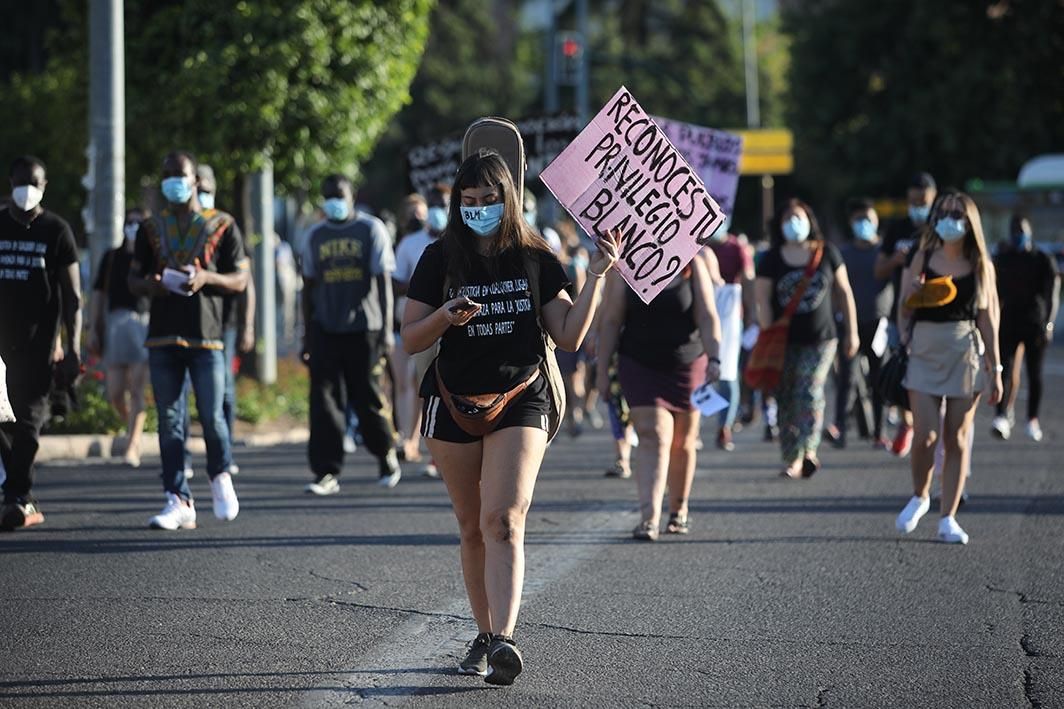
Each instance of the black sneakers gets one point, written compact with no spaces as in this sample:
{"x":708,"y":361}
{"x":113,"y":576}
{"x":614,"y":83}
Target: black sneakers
{"x":504,"y":661}
{"x":476,"y":660}
{"x":21,"y":512}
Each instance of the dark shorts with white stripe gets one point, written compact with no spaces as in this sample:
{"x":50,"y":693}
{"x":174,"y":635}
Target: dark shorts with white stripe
{"x":530,"y":410}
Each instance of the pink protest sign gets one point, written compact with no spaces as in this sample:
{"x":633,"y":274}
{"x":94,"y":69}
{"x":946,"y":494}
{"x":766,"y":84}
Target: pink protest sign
{"x":621,"y":172}
{"x":714,"y":154}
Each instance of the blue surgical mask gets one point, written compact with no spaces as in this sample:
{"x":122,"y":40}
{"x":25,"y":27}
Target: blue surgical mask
{"x":864,"y":229}
{"x":796,"y":228}
{"x":483,"y":220}
{"x":1023,"y":241}
{"x":177,"y":190}
{"x":919,"y":215}
{"x":336,"y":209}
{"x":437,"y":218}
{"x":951,"y":229}
{"x":206,"y":200}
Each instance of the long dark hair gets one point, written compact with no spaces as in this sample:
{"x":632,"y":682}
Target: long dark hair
{"x":487,"y":168}
{"x":775,"y":225}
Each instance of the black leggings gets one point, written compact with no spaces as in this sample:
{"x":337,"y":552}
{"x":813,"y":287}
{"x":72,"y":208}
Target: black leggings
{"x":1033,"y":338}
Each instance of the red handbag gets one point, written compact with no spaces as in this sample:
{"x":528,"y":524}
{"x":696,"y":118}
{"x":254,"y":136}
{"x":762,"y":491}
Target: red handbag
{"x":766,"y":359}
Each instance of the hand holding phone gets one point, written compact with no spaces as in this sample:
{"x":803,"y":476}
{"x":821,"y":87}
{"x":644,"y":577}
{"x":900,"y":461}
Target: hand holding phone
{"x":461,"y":310}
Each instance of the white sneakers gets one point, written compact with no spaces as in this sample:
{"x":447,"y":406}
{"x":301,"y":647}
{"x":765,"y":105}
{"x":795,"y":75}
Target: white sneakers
{"x":948,"y":529}
{"x":1001,"y":427}
{"x":325,"y":485}
{"x":181,"y":514}
{"x":226,"y":506}
{"x":1034,"y":431}
{"x":178,"y":514}
{"x":950,"y":532}
{"x":910,"y":516}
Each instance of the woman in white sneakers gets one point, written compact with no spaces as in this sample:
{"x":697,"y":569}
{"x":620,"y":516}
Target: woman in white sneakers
{"x":948,"y":305}
{"x":488,"y":289}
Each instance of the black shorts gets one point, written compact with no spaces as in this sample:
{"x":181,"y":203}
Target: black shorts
{"x":530,"y":410}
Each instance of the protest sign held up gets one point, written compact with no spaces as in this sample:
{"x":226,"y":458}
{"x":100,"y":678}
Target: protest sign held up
{"x":622,"y":173}
{"x":714,"y":154}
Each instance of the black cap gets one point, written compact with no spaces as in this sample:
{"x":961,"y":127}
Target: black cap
{"x":922,"y":181}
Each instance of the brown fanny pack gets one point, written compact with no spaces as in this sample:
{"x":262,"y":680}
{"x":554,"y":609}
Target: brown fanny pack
{"x":479,"y":414}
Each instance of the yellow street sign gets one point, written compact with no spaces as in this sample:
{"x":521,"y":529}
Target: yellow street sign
{"x":777,"y":164}
{"x":767,"y":140}
{"x":767,"y":151}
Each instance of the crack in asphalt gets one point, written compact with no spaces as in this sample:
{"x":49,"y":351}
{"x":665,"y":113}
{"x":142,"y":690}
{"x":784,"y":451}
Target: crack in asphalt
{"x":1023,"y":597}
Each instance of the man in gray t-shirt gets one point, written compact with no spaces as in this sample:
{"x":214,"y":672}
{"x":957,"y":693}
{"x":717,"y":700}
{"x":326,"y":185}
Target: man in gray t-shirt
{"x":347,"y":306}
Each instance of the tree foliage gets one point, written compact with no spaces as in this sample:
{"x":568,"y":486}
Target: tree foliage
{"x":310,"y":83}
{"x":961,"y":88}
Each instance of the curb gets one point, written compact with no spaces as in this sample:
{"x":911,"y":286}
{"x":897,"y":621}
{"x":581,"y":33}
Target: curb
{"x":81,"y":447}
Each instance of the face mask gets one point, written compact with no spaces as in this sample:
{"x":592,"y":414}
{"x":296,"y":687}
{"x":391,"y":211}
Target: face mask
{"x":951,"y":229}
{"x":864,"y":229}
{"x":206,"y":200}
{"x":1023,"y":241}
{"x":177,"y":190}
{"x":580,"y":261}
{"x":27,"y":197}
{"x":437,"y":218}
{"x":919,"y":215}
{"x":336,"y":209}
{"x":130,"y":230}
{"x":483,"y":220}
{"x":796,"y":229}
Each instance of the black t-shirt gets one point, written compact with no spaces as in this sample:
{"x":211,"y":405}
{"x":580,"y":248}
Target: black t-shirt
{"x":1025,"y":285}
{"x":961,"y":308}
{"x":814,"y":320}
{"x":663,"y":334}
{"x":214,"y":239}
{"x":31,"y":259}
{"x":500,"y":347}
{"x":112,"y":277}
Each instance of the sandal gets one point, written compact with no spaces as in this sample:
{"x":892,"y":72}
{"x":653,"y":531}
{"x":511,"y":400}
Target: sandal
{"x":645,"y":532}
{"x":677,"y":524}
{"x":809,"y":467}
{"x":619,"y":470}
{"x":791,"y":473}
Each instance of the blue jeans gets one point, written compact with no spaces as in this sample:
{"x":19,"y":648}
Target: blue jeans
{"x":206,"y":369}
{"x":229,"y":398}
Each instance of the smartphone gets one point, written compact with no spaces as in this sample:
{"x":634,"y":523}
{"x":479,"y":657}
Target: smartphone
{"x":464,"y":307}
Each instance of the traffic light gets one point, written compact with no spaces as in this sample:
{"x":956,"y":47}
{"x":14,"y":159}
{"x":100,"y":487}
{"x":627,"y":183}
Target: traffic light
{"x":569,"y":57}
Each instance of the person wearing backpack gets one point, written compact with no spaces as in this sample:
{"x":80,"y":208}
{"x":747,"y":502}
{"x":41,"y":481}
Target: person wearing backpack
{"x":803,"y":279}
{"x":494,"y":296}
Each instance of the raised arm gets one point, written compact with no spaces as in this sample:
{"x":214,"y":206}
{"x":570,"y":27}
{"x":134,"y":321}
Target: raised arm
{"x":566,"y":321}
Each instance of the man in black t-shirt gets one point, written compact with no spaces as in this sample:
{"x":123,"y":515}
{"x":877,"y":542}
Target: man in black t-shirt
{"x":188,"y":261}
{"x":901,"y":237}
{"x":1029,"y":289}
{"x":40,"y":286}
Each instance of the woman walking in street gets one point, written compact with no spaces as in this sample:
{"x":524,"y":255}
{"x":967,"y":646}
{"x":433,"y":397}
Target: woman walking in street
{"x":799,"y":265}
{"x":946,"y":304}
{"x":489,"y":290}
{"x":668,"y":348}
{"x":117,"y":330}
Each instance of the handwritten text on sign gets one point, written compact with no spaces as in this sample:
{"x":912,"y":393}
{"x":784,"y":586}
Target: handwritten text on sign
{"x":714,"y":154}
{"x":621,"y":172}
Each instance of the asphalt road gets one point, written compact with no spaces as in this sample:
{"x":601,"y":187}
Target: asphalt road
{"x":785,"y":594}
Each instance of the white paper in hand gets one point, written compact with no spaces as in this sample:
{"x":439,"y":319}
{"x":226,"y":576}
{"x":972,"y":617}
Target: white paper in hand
{"x":880,"y":339}
{"x":175,"y":281}
{"x":706,"y":399}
